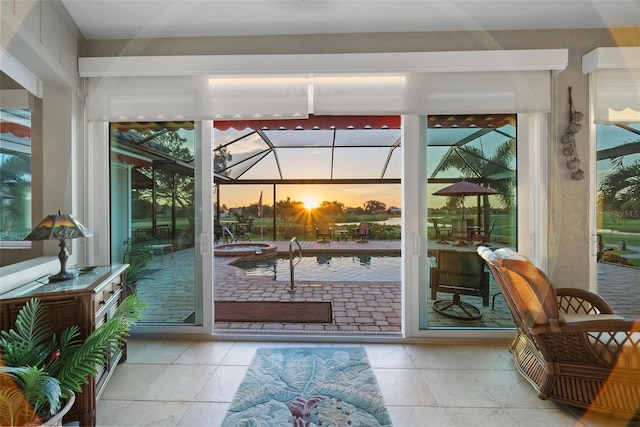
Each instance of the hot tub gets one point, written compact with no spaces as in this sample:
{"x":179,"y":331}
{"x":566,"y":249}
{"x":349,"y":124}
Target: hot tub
{"x":245,"y":251}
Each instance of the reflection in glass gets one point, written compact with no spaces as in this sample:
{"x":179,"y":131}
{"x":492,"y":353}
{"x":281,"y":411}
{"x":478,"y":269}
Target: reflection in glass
{"x":15,"y":174}
{"x":618,"y":216}
{"x":153,"y":211}
{"x":480,"y":150}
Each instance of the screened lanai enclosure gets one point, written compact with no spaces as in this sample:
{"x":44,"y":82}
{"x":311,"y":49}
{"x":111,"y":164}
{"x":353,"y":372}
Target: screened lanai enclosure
{"x":323,"y":156}
{"x":480,"y":150}
{"x":471,"y":200}
{"x":286,"y":178}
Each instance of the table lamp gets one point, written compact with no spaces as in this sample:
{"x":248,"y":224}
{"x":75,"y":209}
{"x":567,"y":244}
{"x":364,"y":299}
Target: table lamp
{"x":61,"y":227}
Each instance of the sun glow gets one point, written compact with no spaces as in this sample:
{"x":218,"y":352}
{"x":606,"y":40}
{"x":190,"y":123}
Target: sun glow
{"x":311,"y":203}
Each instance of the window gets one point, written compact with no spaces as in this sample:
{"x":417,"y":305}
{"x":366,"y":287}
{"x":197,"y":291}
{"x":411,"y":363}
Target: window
{"x":153,"y":208}
{"x":15,"y":174}
{"x":471,"y":201}
{"x":618,"y":215}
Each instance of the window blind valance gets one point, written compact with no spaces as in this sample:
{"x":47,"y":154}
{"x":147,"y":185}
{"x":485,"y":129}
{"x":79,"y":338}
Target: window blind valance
{"x":480,"y":92}
{"x":196,"y":98}
{"x":617,"y":96}
{"x":457,"y":82}
{"x":615,"y":77}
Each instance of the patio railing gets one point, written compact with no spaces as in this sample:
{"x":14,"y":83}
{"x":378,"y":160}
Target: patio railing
{"x":292,"y":266}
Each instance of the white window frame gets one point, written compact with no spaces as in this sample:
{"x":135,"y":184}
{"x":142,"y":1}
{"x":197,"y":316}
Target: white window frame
{"x":533,"y":130}
{"x":602,"y":60}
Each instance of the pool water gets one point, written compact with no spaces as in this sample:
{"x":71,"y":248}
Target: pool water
{"x":359,"y":268}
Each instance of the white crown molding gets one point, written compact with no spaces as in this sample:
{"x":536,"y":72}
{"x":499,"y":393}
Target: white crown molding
{"x":611,"y":57}
{"x":21,"y":74}
{"x":353,"y":63}
{"x":28,"y":51}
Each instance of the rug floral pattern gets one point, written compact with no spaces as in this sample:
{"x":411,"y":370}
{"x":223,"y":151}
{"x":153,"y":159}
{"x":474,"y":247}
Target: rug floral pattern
{"x":308,"y":387}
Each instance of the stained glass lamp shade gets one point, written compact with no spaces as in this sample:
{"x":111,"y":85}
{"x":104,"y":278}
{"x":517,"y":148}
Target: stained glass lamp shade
{"x":60,"y":227}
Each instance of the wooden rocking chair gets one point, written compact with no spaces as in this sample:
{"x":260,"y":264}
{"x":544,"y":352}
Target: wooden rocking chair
{"x":570,"y":345}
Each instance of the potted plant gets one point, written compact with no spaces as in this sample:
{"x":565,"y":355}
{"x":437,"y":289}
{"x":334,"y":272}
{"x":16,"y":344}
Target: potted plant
{"x":137,"y":253}
{"x":134,"y":272}
{"x":40,"y":371}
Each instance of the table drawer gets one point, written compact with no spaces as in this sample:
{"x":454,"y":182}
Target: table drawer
{"x":106,"y":294}
{"x":107,"y":310}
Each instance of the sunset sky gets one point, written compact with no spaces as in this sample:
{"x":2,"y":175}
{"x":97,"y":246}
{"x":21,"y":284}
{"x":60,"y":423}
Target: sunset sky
{"x":332,"y":154}
{"x":350,"y":195}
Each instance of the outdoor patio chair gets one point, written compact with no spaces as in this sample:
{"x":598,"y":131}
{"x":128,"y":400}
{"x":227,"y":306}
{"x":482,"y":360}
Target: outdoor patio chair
{"x":485,"y":236}
{"x":220,"y":232}
{"x":243,"y":230}
{"x":442,"y":235}
{"x":570,"y":345}
{"x":362,"y":233}
{"x":459,"y":273}
{"x":323,"y":233}
{"x":217,"y":230}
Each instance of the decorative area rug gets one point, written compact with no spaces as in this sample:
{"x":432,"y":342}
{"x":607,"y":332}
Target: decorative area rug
{"x":272,"y":311}
{"x":308,"y":387}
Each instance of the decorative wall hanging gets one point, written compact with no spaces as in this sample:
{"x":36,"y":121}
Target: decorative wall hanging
{"x":568,"y":139}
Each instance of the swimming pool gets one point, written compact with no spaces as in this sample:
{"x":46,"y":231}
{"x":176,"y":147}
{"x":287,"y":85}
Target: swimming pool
{"x":356,"y":268}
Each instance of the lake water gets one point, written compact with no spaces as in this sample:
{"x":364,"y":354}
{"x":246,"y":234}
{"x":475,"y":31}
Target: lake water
{"x":390,"y":221}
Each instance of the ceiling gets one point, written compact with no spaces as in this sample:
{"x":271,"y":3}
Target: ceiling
{"x":127,"y":19}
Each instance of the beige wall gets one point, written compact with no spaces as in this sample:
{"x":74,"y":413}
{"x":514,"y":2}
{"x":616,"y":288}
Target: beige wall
{"x":568,"y":246}
{"x":41,"y":36}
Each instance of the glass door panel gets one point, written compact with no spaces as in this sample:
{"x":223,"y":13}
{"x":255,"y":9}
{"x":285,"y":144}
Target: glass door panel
{"x":318,"y":180}
{"x":471,"y":200}
{"x":153,"y":222}
{"x":618,"y":216}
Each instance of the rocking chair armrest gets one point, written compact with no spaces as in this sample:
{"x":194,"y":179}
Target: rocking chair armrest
{"x":594,"y":343}
{"x":613,"y":324}
{"x":575,"y":300}
{"x":625,"y":326}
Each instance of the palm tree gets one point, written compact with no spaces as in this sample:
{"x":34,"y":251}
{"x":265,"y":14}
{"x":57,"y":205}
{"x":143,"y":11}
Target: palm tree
{"x":473,"y":163}
{"x":620,"y":190}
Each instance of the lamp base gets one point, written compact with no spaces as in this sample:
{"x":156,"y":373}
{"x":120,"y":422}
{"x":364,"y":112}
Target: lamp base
{"x":63,"y":275}
{"x":63,"y":256}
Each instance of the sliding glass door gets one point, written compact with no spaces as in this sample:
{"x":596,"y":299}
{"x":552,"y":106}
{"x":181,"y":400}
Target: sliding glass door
{"x":153,"y":217}
{"x":471,"y":200}
{"x":618,"y":216}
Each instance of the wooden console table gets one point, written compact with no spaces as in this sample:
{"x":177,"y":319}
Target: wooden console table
{"x":87,"y":301}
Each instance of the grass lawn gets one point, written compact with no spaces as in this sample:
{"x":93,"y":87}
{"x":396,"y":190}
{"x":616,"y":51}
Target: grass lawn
{"x":616,"y":230}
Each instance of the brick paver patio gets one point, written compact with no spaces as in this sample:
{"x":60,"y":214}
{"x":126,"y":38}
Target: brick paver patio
{"x":358,"y":307}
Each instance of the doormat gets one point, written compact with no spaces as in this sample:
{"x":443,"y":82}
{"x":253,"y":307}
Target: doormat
{"x":308,"y":386}
{"x":273,"y":311}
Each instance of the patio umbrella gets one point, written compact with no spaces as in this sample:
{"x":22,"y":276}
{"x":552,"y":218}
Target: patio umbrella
{"x":464,"y":188}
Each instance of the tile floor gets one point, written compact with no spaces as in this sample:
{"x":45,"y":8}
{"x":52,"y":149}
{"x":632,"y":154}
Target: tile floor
{"x":191,"y":383}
